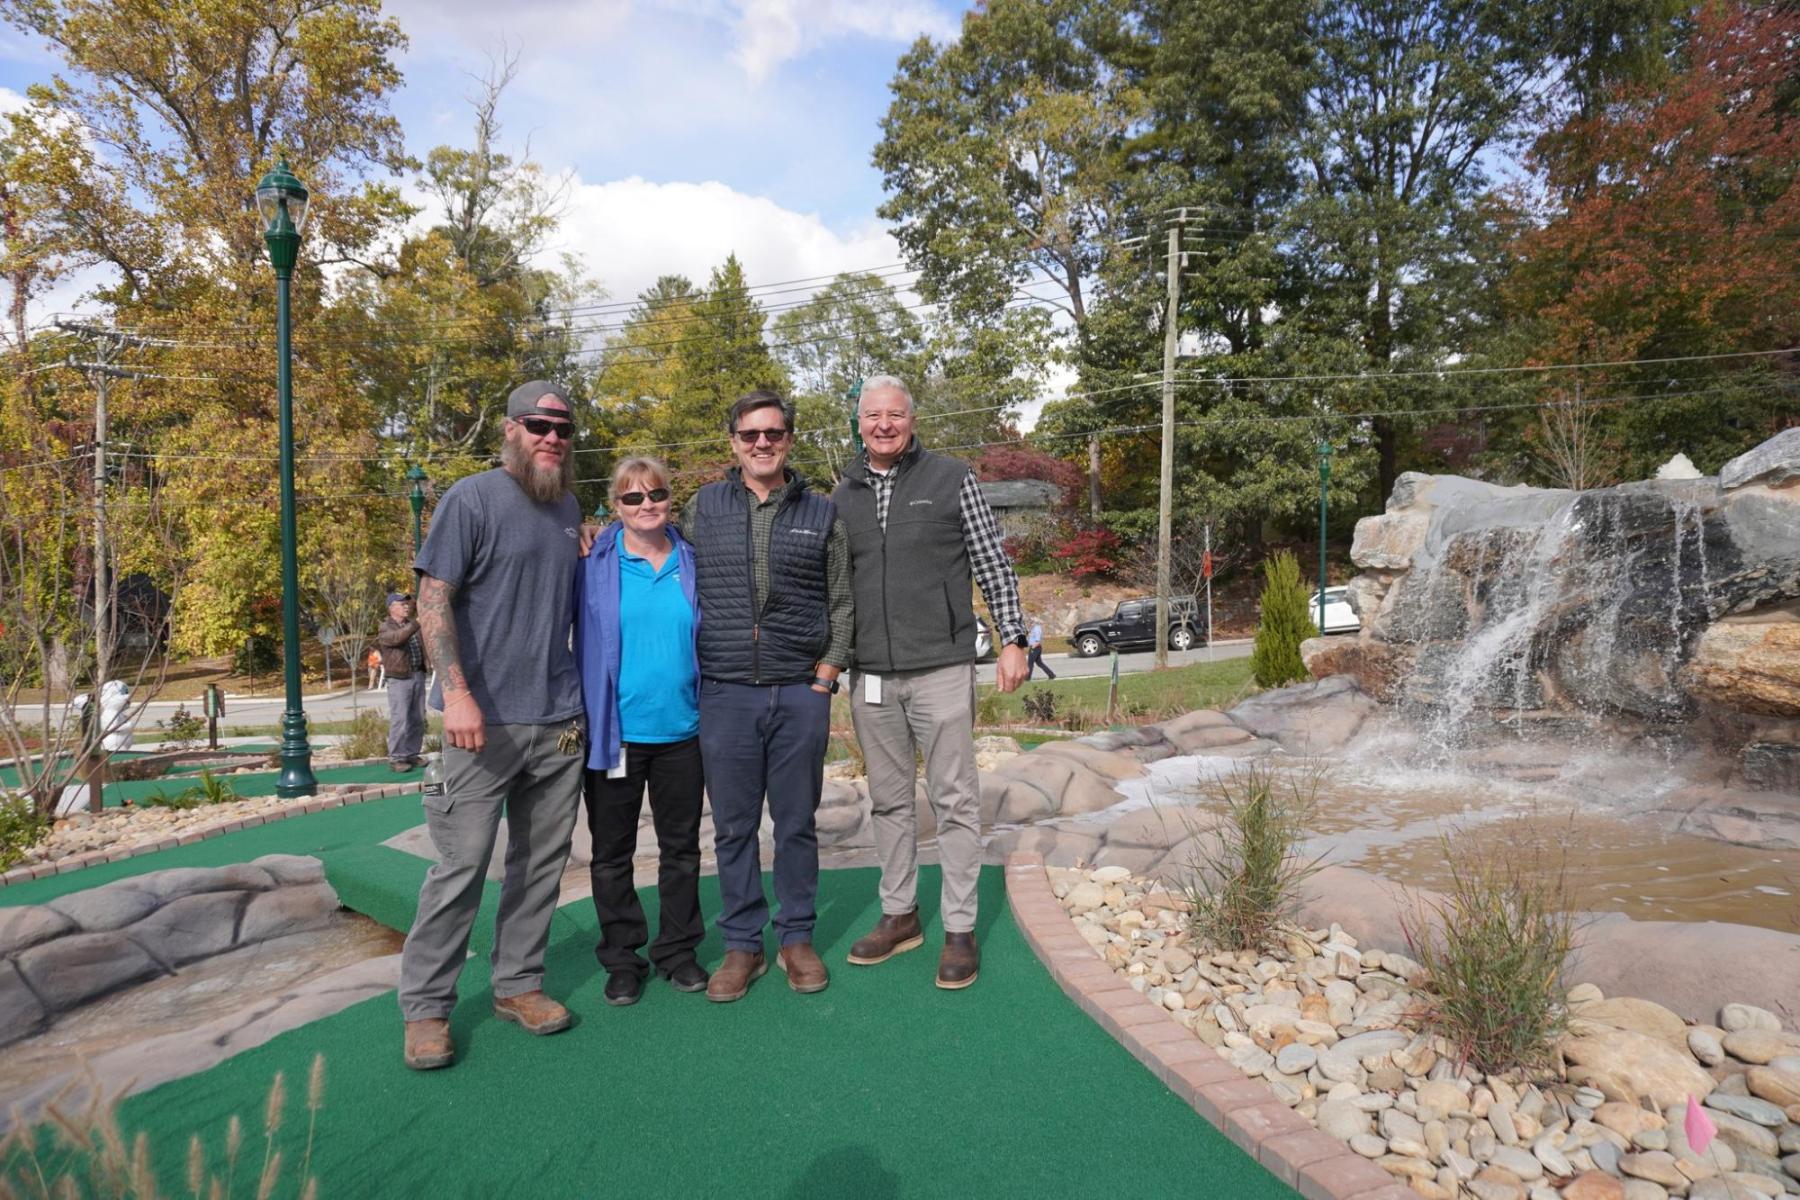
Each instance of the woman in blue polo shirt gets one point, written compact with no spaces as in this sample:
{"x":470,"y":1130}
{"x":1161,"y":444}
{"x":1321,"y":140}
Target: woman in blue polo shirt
{"x":635,"y":640}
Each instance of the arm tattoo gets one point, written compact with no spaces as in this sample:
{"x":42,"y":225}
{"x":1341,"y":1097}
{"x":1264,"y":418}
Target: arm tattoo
{"x":438,"y":629}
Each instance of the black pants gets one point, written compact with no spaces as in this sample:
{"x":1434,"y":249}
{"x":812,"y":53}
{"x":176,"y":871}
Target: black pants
{"x":675,"y":778}
{"x":1035,"y":661}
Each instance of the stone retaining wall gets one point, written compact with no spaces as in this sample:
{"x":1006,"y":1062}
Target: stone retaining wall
{"x":58,"y":956}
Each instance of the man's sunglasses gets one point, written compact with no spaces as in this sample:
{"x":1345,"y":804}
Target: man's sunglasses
{"x":633,"y":499}
{"x":544,"y":426}
{"x":750,"y":436}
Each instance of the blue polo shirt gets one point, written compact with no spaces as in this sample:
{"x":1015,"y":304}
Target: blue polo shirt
{"x":659,"y":697}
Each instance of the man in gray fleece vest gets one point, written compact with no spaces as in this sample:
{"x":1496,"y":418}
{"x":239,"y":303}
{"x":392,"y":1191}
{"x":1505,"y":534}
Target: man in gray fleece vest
{"x":920,"y":535}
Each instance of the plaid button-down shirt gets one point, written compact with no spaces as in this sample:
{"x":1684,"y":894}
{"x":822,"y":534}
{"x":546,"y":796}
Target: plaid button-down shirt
{"x":987,"y":550}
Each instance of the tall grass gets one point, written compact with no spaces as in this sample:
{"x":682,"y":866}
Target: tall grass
{"x":367,"y":738}
{"x":1246,"y":872}
{"x":85,"y":1154}
{"x":1494,"y":947}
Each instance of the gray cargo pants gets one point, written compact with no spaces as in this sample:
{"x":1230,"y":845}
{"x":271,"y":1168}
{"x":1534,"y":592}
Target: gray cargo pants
{"x":406,"y":717}
{"x":522,"y":774}
{"x":930,"y":713}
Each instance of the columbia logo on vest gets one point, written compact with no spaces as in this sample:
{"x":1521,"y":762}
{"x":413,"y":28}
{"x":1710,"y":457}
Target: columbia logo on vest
{"x":808,"y":532}
{"x":572,"y":533}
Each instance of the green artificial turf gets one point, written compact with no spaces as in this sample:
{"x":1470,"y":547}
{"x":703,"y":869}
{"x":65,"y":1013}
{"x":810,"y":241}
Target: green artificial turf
{"x":881,"y":1086}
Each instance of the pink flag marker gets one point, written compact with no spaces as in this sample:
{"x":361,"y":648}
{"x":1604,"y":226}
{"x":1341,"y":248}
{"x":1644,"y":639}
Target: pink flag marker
{"x":1698,"y":1126}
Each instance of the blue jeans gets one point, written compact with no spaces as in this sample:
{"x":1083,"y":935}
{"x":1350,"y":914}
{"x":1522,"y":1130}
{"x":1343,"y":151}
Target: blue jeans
{"x":757,"y":741}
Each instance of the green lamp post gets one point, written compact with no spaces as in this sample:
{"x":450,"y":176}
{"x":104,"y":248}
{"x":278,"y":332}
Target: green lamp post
{"x":281,"y":203}
{"x":1324,"y":483}
{"x":416,"y":475}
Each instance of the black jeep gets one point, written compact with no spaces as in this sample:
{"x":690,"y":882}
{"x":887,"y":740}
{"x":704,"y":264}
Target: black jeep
{"x":1132,"y":626}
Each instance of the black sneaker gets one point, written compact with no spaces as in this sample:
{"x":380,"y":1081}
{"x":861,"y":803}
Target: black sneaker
{"x":690,"y":976}
{"x":624,"y":987}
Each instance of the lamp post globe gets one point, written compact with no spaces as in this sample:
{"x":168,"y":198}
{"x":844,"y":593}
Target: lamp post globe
{"x":416,"y":498}
{"x":281,"y":207}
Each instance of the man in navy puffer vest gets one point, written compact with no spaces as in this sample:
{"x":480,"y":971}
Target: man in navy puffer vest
{"x":776,"y":623}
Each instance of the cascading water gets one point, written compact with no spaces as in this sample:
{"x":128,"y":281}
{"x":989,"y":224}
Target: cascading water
{"x":1584,"y":604}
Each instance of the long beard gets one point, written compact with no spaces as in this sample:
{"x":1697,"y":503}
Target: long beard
{"x":542,"y":484}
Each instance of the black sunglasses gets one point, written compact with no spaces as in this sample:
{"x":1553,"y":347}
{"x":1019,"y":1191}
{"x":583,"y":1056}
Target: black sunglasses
{"x":544,"y":426}
{"x":633,"y":499}
{"x":750,"y":436}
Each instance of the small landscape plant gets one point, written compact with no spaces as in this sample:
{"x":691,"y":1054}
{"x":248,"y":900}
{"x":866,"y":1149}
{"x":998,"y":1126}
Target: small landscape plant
{"x":1245,"y":875}
{"x":368,"y":737}
{"x":183,"y":730}
{"x":22,"y":826}
{"x":1040,"y":705}
{"x":85,"y":1153}
{"x":210,"y":790}
{"x":1494,"y":947}
{"x":1283,"y":625}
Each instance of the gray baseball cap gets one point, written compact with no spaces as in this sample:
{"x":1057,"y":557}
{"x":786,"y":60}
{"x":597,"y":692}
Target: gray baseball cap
{"x":524,"y":399}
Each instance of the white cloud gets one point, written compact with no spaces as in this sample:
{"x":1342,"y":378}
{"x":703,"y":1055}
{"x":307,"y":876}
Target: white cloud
{"x":770,"y":32}
{"x":630,"y":231}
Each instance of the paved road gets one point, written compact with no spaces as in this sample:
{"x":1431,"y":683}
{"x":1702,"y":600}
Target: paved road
{"x":265,"y":709}
{"x":1067,"y":665}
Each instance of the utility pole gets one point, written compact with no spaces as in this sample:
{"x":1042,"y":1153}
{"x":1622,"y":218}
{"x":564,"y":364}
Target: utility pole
{"x":102,"y":372}
{"x":1165,"y":498}
{"x":1094,"y":477}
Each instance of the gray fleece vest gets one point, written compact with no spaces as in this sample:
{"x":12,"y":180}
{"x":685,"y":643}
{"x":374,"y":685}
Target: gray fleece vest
{"x":912,"y":581}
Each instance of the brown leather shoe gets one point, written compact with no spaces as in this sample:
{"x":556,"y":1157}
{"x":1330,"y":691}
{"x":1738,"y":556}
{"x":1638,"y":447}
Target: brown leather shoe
{"x":535,"y":1011}
{"x":893,"y":934}
{"x":960,"y":963}
{"x":805,"y":969}
{"x":428,"y":1044}
{"x":740,"y":969}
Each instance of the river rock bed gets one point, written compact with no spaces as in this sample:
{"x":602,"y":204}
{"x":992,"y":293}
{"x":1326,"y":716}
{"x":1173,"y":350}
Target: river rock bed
{"x":1334,"y":1030}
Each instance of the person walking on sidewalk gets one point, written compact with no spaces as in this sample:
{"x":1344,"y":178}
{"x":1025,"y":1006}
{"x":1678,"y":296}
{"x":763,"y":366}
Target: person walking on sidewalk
{"x":403,"y":660}
{"x":497,"y":608}
{"x":775,"y":629}
{"x":635,"y":639}
{"x":920,"y":530}
{"x":1034,"y":651}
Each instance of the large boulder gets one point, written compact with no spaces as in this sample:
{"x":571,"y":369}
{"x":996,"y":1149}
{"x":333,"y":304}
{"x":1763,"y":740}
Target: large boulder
{"x":21,"y":1012}
{"x":28,"y":924}
{"x":1749,"y":664}
{"x":1630,"y":1066}
{"x":1307,"y":718}
{"x":111,"y":906}
{"x":1774,"y":462}
{"x":1388,"y":542}
{"x":193,"y":927}
{"x":1379,"y":668}
{"x":85,"y":966}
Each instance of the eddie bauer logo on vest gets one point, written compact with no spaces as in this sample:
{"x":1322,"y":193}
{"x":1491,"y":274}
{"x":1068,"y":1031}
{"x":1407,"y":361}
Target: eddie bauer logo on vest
{"x":807,"y":532}
{"x":910,"y":503}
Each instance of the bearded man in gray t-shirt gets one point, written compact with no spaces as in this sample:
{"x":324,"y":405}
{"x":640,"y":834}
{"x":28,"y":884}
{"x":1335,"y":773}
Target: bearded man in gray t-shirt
{"x":496,"y":605}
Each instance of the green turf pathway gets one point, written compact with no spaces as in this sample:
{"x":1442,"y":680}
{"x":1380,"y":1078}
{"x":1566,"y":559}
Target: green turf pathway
{"x":881,"y":1086}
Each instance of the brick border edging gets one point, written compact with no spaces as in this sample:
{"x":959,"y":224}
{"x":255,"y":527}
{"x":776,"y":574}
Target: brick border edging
{"x":1315,"y":1164}
{"x":336,"y":798}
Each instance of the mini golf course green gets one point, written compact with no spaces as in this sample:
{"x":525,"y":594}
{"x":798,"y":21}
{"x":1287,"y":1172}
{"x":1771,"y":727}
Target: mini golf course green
{"x":881,"y":1086}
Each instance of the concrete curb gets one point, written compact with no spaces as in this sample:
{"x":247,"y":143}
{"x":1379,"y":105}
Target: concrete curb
{"x":335,"y":798}
{"x":1315,"y":1164}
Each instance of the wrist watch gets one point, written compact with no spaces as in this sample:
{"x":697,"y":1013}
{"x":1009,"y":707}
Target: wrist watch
{"x":830,"y":685}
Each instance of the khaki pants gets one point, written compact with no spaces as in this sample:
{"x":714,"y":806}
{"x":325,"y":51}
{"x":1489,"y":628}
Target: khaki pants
{"x":928,"y":713}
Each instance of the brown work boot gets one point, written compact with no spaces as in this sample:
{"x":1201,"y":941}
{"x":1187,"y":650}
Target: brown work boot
{"x":740,"y":969}
{"x":960,"y":963}
{"x":893,"y":934}
{"x":537,"y":1012}
{"x":805,"y":969}
{"x":428,"y":1044}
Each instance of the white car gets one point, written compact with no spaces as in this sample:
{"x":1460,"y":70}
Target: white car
{"x":1339,"y":616}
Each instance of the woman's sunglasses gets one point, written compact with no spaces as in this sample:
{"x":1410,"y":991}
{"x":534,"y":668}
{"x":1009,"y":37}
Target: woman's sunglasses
{"x":654,"y":495}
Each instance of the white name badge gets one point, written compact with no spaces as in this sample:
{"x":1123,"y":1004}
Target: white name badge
{"x":871,"y":689}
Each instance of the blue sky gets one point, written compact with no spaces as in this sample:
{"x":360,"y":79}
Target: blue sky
{"x":685,"y":128}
